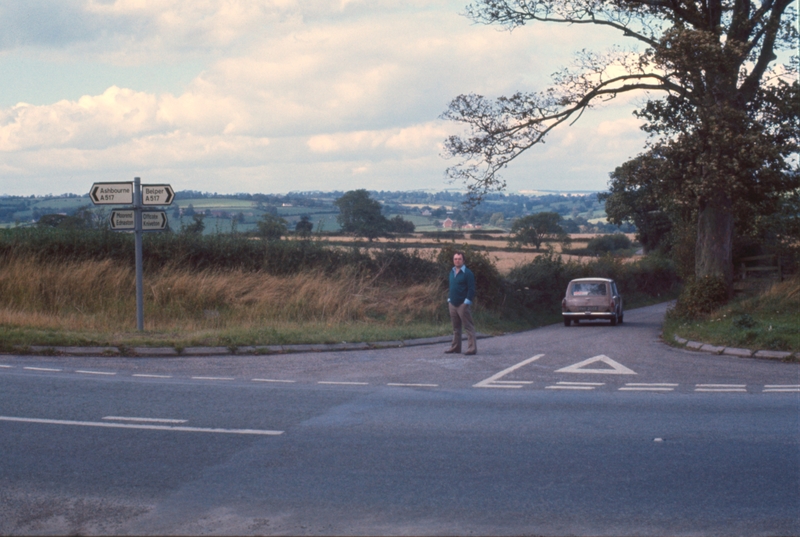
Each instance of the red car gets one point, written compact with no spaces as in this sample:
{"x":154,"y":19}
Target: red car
{"x":588,"y":299}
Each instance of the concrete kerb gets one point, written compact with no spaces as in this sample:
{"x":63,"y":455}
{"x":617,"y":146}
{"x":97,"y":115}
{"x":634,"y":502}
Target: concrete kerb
{"x":733,"y":351}
{"x":154,"y":352}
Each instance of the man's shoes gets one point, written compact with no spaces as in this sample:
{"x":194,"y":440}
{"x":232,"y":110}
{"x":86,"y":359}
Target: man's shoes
{"x":470,"y":353}
{"x":453,"y":351}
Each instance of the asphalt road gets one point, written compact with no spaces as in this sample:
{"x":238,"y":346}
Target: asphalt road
{"x":587,"y":430}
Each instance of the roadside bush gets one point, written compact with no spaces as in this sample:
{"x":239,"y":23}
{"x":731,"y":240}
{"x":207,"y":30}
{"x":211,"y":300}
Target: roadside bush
{"x":700,"y":297}
{"x":608,"y":243}
{"x":542,"y":283}
{"x":212,"y":252}
{"x":744,"y":321}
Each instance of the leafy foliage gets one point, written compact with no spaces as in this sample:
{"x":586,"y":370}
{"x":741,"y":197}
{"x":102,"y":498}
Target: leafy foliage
{"x":608,"y":243}
{"x":536,"y":228}
{"x":271,"y":227}
{"x":304,"y":227}
{"x":700,"y":297}
{"x":197,"y":226}
{"x":361,"y":215}
{"x":724,"y":132}
{"x":541,"y":284}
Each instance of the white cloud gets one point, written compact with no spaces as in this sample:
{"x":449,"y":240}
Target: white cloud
{"x":293,"y":95}
{"x":416,"y":139}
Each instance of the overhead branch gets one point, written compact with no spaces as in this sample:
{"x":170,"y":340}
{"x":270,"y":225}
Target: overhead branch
{"x":767,"y":54}
{"x":503,"y":130}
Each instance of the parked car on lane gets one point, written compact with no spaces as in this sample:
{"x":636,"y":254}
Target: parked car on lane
{"x":588,"y":299}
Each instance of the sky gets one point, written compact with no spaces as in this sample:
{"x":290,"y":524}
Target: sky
{"x":275,"y":96}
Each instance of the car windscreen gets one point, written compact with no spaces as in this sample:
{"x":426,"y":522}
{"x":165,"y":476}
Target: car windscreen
{"x":588,"y":289}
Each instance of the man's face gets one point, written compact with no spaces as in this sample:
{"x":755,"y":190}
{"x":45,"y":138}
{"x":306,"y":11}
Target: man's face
{"x":458,"y":260}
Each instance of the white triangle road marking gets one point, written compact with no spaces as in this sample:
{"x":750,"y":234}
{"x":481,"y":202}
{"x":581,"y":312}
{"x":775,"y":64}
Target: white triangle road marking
{"x":616,"y":367}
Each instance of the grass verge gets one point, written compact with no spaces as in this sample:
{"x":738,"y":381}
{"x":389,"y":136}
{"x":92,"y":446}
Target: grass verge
{"x":92,"y":303}
{"x":768,"y":321}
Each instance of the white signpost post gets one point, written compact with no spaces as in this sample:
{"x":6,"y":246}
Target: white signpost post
{"x":136,"y":219}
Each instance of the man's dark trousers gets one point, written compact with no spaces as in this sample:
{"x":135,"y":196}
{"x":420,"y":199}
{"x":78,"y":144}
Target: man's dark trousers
{"x":461,"y":316}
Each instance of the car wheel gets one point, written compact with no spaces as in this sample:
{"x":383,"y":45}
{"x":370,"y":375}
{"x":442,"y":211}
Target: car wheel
{"x":621,"y":316}
{"x":614,"y":320}
{"x":567,"y":321}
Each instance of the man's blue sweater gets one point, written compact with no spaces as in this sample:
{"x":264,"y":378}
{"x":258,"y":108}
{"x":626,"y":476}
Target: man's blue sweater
{"x":462,"y":286}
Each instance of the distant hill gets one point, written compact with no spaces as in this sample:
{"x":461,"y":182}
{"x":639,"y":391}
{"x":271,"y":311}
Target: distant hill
{"x":240,"y":212}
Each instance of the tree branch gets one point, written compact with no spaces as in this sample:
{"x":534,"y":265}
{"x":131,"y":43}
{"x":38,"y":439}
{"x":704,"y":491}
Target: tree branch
{"x":751,"y":84}
{"x":503,"y":130}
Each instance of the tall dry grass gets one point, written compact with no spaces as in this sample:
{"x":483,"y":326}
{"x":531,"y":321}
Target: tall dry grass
{"x":100,"y":296}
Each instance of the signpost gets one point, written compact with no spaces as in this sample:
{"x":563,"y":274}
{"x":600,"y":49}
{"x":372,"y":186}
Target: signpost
{"x":154,"y":220}
{"x":157,"y":195}
{"x":136,"y":219}
{"x":123,"y":220}
{"x":112,"y":193}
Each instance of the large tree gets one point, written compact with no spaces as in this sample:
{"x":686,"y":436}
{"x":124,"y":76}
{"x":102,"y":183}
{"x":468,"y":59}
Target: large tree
{"x":536,"y":228}
{"x":720,"y":111}
{"x":360,"y":215}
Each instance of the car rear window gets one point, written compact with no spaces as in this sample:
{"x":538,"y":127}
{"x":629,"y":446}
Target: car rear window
{"x":588,"y":289}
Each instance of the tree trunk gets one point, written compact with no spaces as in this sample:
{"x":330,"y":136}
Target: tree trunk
{"x":714,"y":248}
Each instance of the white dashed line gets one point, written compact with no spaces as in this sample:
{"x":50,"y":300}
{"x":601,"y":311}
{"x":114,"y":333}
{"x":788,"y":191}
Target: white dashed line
{"x":41,"y":369}
{"x":213,"y":378}
{"x":274,"y":380}
{"x":777,"y":388}
{"x":141,"y":426}
{"x":512,"y":382}
{"x":95,"y":372}
{"x":344,"y":383}
{"x":146,"y":420}
{"x":149,"y":376}
{"x":6,"y":366}
{"x":648,"y":387}
{"x":720,"y":388}
{"x":575,"y":386}
{"x":413,"y":385}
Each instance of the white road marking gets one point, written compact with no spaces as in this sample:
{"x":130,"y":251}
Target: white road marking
{"x":95,"y":372}
{"x":513,"y":382}
{"x":344,"y":383}
{"x":648,"y":387}
{"x":141,"y":426}
{"x":413,"y":385}
{"x":493,"y":382}
{"x":40,"y":369}
{"x":213,"y":378}
{"x":645,"y":389}
{"x":273,"y":380}
{"x":574,"y":386}
{"x":6,"y":366}
{"x":148,"y":420}
{"x":616,"y":367}
{"x":720,"y":388}
{"x":781,"y":389}
{"x":146,"y":375}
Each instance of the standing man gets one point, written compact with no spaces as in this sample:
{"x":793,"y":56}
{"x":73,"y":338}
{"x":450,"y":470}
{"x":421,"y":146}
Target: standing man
{"x":462,"y":294}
